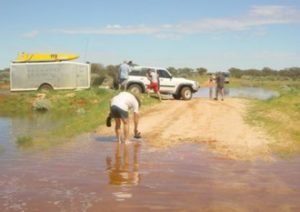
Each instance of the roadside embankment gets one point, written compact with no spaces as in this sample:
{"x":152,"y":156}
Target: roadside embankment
{"x":281,"y":118}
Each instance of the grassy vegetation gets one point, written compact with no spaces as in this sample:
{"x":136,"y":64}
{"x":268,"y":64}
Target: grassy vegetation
{"x":280,"y":116}
{"x":2,"y":150}
{"x":202,"y":79}
{"x":24,"y":141}
{"x":77,"y":112}
{"x":4,"y":76}
{"x":82,"y":111}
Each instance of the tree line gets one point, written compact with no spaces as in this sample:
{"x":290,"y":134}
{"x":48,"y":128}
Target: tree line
{"x":101,"y":73}
{"x":287,"y":73}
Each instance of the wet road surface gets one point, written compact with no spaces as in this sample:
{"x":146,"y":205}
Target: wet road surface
{"x":95,"y":173}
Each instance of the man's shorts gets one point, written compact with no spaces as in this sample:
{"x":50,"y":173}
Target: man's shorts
{"x":117,"y":112}
{"x":153,"y":86}
{"x":122,"y":84}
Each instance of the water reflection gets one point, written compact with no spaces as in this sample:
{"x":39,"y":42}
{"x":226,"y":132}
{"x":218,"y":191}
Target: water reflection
{"x":34,"y":124}
{"x":124,"y":170}
{"x":248,"y":92}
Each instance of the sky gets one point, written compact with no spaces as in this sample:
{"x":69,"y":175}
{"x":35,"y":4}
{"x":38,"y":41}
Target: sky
{"x":213,"y":34}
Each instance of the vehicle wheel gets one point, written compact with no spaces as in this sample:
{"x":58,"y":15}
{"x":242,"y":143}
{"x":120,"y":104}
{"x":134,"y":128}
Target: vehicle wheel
{"x":45,"y":87}
{"x":186,"y":93}
{"x":176,"y":96}
{"x":135,"y":88}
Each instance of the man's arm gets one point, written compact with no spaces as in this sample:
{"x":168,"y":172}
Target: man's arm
{"x":148,"y":76}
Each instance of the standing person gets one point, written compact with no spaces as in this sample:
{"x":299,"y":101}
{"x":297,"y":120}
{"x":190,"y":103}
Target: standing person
{"x":211,"y":82}
{"x":154,"y":82}
{"x":124,"y":70}
{"x":119,"y":109}
{"x":220,"y":81}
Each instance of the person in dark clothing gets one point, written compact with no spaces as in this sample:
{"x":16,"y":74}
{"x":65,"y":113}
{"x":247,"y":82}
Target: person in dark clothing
{"x":220,"y":81}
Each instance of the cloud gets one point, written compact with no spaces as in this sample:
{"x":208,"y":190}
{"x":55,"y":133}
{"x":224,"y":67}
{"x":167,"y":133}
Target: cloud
{"x":256,"y":16}
{"x":31,"y":34}
{"x":112,"y":30}
{"x":273,"y":11}
{"x":168,"y":36}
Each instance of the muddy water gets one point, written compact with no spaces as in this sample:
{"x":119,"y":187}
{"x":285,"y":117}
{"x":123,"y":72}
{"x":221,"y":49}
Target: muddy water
{"x":94,"y":173}
{"x":247,"y":92}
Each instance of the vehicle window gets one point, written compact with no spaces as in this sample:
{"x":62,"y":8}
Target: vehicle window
{"x":138,"y":72}
{"x":163,"y":74}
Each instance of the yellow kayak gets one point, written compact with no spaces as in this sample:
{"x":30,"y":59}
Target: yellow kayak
{"x":38,"y":57}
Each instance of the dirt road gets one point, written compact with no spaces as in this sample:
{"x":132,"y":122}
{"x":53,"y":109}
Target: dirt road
{"x":219,"y":125}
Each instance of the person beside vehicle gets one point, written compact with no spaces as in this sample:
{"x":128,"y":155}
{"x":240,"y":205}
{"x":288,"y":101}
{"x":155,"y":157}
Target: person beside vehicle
{"x":220,"y":82}
{"x":123,"y":73}
{"x":211,"y":83}
{"x":119,"y":111}
{"x":154,"y":82}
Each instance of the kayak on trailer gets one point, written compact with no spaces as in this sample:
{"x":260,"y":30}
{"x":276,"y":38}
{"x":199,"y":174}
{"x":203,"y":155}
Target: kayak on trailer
{"x":43,"y":57}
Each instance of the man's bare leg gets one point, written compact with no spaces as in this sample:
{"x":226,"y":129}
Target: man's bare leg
{"x":222,"y":94}
{"x":118,"y":129}
{"x":159,"y":96}
{"x":126,"y":130}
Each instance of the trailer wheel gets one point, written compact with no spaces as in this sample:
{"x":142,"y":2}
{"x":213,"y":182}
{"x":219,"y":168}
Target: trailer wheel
{"x":45,"y":87}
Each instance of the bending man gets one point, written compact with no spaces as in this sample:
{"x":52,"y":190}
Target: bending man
{"x":119,"y":108}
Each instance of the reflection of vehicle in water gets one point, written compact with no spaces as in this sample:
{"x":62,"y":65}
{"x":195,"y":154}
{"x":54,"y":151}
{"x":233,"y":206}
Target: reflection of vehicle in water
{"x":124,"y":170}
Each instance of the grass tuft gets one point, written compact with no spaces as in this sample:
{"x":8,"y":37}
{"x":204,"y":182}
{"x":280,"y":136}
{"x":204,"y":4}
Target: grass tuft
{"x":24,"y":141}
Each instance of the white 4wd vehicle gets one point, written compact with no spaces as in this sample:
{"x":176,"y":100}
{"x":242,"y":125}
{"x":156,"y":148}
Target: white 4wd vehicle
{"x":180,"y":88}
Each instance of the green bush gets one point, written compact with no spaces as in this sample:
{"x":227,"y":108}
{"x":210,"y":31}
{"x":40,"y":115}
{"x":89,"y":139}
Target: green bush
{"x":4,"y":76}
{"x":24,"y":141}
{"x":42,"y":105}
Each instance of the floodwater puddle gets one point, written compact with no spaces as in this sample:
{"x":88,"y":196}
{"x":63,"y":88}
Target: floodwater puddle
{"x":247,"y":92}
{"x":90,"y":174}
{"x":108,"y":138}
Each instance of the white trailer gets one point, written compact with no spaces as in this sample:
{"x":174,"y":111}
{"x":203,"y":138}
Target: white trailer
{"x":49,"y":75}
